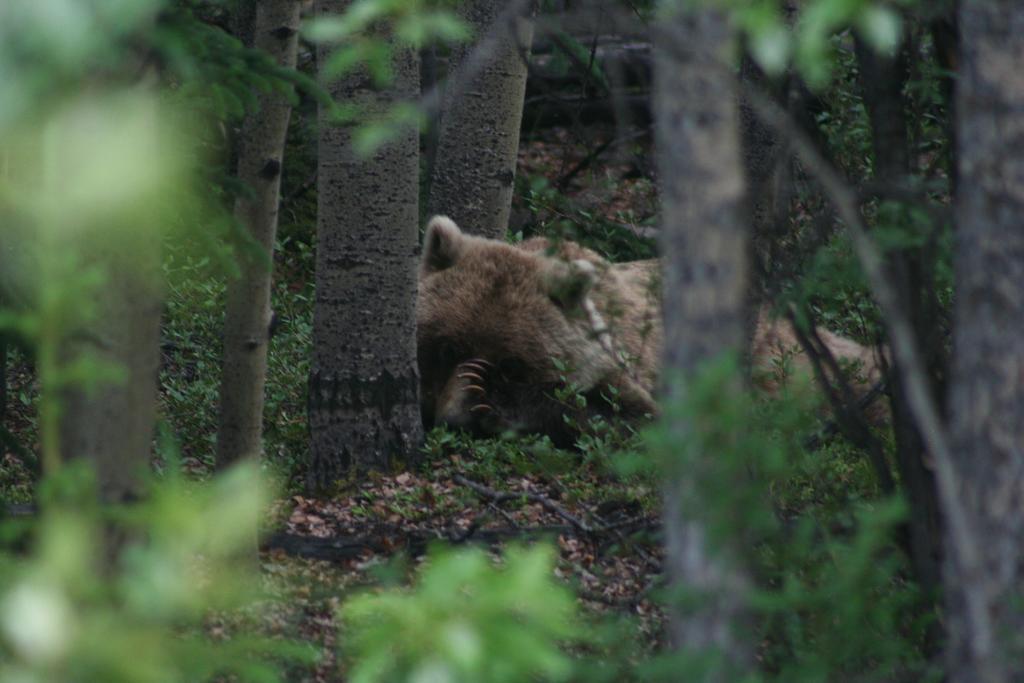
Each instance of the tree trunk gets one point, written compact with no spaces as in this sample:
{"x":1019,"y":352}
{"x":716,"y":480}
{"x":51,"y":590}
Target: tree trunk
{"x":882,"y":80}
{"x":766,"y":169}
{"x":705,"y":244}
{"x":364,"y":385}
{"x":111,"y":424}
{"x":247,"y":317}
{"x":987,"y":389}
{"x":3,"y":377}
{"x":474,"y":171}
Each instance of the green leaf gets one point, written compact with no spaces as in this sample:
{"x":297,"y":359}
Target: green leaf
{"x":881,"y":27}
{"x":771,"y":48}
{"x":418,"y":29}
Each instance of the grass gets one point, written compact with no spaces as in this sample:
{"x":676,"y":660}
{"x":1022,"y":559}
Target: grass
{"x":190,"y":371}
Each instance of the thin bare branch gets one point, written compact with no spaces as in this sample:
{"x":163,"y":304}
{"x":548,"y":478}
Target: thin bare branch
{"x":845,"y":408}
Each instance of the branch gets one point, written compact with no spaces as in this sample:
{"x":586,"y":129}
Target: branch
{"x":341,"y":548}
{"x":831,"y":425}
{"x":547,"y":503}
{"x":844,"y":404}
{"x":615,"y":530}
{"x":563,"y":182}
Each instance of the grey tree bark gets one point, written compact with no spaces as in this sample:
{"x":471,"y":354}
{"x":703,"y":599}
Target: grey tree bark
{"x":364,"y":384}
{"x":478,"y":142}
{"x":111,"y":425}
{"x":705,"y":247}
{"x":987,"y":388}
{"x":247,"y":316}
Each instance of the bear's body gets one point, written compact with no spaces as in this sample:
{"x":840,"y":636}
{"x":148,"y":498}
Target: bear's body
{"x":500,"y":328}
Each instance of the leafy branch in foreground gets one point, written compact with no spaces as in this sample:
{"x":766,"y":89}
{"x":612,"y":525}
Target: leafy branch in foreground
{"x":466,"y":621}
{"x":69,"y":613}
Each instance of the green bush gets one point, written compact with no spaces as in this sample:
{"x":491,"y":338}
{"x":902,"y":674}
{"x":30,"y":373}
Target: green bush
{"x":466,"y":622}
{"x":121,"y":594}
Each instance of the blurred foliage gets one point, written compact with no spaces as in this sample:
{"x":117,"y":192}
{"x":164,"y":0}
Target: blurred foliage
{"x":51,"y":47}
{"x":466,"y":621}
{"x":804,"y":40}
{"x":368,"y":36}
{"x":831,"y":600}
{"x":71,"y":609}
{"x":95,"y":153}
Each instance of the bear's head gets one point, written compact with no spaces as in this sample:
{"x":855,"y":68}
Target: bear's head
{"x":492,"y":321}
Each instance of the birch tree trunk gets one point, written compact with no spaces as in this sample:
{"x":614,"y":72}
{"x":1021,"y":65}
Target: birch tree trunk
{"x":364,"y":384}
{"x":107,"y":421}
{"x":987,"y":390}
{"x":111,"y":425}
{"x":705,"y":247}
{"x":248,"y":314}
{"x":478,"y":142}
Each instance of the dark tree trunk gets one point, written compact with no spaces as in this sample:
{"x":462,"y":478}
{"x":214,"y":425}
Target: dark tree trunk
{"x":766,"y":163}
{"x":882,"y":81}
{"x":987,"y":388}
{"x":364,"y":386}
{"x":243,"y":20}
{"x":247,"y":317}
{"x":474,"y":170}
{"x":705,"y":241}
{"x":3,"y":380}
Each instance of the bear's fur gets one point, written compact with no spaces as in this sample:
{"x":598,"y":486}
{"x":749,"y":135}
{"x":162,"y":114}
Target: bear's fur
{"x":501,"y":328}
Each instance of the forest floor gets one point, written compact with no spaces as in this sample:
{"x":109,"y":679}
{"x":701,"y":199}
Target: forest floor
{"x":378,"y":530}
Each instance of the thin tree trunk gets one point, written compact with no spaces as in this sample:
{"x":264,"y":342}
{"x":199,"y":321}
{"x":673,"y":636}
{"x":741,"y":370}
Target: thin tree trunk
{"x":5,"y":170}
{"x":248,"y":314}
{"x":705,"y":242}
{"x":3,"y":377}
{"x":474,"y":170}
{"x":882,"y":80}
{"x":987,"y":389}
{"x":364,"y":384}
{"x":766,"y":165}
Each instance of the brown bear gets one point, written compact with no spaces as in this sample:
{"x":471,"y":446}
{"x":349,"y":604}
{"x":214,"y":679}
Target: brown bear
{"x":502,"y":328}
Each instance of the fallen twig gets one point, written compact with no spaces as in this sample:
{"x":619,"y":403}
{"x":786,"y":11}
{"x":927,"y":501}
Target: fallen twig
{"x":341,"y":548}
{"x":546,"y":503}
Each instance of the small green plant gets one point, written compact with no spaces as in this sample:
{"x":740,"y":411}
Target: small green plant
{"x":466,"y":621}
{"x":122,"y":593}
{"x":601,"y":438}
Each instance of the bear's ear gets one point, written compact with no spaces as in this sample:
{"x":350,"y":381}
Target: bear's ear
{"x":569,"y":283}
{"x":442,"y":245}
